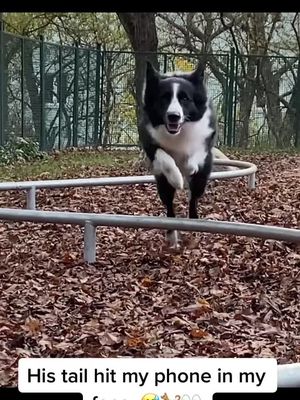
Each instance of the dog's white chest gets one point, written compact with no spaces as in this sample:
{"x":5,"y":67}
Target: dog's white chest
{"x":189,"y":147}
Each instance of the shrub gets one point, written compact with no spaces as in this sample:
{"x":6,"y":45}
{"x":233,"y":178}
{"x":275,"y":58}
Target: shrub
{"x":20,"y":149}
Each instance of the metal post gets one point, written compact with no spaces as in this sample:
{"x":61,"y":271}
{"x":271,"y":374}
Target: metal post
{"x":97,"y":88}
{"x":251,"y":181}
{"x":75,"y":98}
{"x":31,"y":198}
{"x":103,"y":56}
{"x":297,"y":107}
{"x":22,"y":86}
{"x":165,"y":63}
{"x":230,"y":97}
{"x":89,"y":242}
{"x":234,"y":102}
{"x":60,"y":95}
{"x":226,"y":94}
{"x":87,"y":97}
{"x":42,"y":94}
{"x":1,"y":85}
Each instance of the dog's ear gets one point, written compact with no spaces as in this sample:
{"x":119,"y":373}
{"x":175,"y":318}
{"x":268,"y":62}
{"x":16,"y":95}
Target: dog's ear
{"x":151,"y":82}
{"x":197,"y":76}
{"x":151,"y":73}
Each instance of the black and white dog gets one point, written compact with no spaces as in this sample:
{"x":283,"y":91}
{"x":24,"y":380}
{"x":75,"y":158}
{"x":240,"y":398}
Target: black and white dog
{"x":177,"y":133}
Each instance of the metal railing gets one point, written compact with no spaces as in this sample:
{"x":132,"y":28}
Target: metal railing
{"x":247,"y":169}
{"x":91,"y":221}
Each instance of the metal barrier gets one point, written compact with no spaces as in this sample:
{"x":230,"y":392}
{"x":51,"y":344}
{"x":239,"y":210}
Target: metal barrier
{"x":90,"y":221}
{"x":247,"y":169}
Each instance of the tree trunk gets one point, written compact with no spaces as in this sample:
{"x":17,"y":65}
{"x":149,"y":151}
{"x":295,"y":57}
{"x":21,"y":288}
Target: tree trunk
{"x":32,"y":88}
{"x":141,"y":32}
{"x":271,"y":84}
{"x":297,"y":106}
{"x":247,"y":93}
{"x":291,"y":123}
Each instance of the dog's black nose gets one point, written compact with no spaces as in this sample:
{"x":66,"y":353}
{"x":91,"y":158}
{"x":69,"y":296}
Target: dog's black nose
{"x":173,"y":117}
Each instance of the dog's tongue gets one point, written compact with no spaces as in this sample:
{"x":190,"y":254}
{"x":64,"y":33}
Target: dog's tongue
{"x":174,"y":128}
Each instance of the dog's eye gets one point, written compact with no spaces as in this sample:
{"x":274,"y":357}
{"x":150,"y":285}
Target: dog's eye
{"x":183,"y":97}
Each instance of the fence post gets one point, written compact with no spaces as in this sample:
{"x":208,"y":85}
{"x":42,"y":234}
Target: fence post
{"x":234,"y":102}
{"x":1,"y":85}
{"x":297,"y":106}
{"x":230,"y":97}
{"x":103,"y":55}
{"x":42,"y":94}
{"x":60,"y":95}
{"x":226,"y":100}
{"x":165,"y":63}
{"x":22,"y":86}
{"x":75,"y":98}
{"x":87,"y":97}
{"x":97,"y":90}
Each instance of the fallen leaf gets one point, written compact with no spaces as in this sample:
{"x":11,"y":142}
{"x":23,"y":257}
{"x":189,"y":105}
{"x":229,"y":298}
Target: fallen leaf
{"x":198,"y":334}
{"x":147,"y":282}
{"x":32,"y":326}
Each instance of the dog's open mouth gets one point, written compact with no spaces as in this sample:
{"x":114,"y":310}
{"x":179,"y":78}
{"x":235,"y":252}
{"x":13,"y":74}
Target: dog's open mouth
{"x":173,"y":128}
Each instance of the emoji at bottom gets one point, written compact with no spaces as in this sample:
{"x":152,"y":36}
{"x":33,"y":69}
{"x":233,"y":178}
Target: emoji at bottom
{"x":150,"y":396}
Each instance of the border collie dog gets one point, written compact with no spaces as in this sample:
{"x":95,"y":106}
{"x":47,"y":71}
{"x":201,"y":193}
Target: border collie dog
{"x":177,"y":133}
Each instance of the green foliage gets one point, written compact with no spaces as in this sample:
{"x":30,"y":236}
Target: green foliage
{"x":29,"y":24}
{"x":20,"y":150}
{"x":85,"y":28}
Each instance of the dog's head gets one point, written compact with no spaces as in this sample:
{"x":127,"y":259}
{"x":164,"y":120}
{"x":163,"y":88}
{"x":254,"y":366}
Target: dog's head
{"x":174,"y":99}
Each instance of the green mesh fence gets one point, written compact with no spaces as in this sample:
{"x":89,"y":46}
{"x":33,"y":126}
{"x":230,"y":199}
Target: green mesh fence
{"x":64,"y":96}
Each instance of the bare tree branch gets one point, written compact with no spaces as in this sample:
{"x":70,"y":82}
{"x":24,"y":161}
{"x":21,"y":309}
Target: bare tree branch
{"x":230,"y":27}
{"x":295,"y":29}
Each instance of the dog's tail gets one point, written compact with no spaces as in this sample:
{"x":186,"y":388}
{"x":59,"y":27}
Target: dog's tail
{"x":219,"y":155}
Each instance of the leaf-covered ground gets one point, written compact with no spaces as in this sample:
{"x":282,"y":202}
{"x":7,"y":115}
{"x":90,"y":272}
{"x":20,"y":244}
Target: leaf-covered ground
{"x":220,"y":296}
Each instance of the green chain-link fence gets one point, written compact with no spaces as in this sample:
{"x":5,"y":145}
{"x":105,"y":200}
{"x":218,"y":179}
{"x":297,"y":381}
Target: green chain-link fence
{"x":66,"y":96}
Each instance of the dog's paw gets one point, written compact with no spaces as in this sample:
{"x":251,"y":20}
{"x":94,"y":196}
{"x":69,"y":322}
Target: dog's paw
{"x":165,"y":164}
{"x":175,"y":179}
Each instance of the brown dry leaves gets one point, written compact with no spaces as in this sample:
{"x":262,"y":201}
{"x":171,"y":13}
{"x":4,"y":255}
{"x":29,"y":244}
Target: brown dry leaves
{"x":221,"y":296}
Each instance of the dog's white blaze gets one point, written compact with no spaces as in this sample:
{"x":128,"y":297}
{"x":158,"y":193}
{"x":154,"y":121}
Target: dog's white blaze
{"x":175,"y":106}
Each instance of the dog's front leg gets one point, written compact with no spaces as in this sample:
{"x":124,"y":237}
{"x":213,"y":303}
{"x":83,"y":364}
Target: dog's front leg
{"x":168,"y":179}
{"x":166,"y":193}
{"x":164,"y":164}
{"x":198,"y":182}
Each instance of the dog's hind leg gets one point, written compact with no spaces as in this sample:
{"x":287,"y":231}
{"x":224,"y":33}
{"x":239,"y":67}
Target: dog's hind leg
{"x":166,"y":193}
{"x":197,"y":187}
{"x":197,"y":183}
